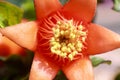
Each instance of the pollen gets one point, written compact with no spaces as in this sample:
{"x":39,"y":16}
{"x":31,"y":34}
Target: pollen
{"x":68,"y":39}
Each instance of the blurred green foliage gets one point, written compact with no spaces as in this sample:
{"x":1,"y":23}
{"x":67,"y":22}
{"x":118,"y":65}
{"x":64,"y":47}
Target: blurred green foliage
{"x":117,"y":77}
{"x":27,"y":6}
{"x":60,"y":76}
{"x":63,"y":1}
{"x":9,"y":14}
{"x":116,"y":6}
{"x":29,"y":11}
{"x":15,"y":67}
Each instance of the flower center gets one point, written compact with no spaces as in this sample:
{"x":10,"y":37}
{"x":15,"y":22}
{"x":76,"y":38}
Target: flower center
{"x":68,"y":39}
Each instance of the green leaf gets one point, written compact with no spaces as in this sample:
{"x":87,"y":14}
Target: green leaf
{"x":116,"y":5}
{"x":97,"y":61}
{"x":9,"y":14}
{"x":27,"y":6}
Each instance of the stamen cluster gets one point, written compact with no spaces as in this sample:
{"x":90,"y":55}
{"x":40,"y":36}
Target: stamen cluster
{"x":68,"y":39}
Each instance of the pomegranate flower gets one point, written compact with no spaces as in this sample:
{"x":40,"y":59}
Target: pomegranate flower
{"x":63,"y":38}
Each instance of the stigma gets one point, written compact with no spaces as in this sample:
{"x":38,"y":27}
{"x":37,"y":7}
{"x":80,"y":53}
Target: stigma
{"x":68,"y":39}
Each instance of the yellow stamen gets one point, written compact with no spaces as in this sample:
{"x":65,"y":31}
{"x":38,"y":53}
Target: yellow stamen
{"x":68,"y":39}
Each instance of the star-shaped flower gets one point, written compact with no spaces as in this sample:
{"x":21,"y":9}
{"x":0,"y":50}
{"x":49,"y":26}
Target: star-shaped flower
{"x":63,"y":38}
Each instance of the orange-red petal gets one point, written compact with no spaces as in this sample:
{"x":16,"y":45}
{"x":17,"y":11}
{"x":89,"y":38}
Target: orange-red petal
{"x":80,"y":69}
{"x":82,"y":9}
{"x":7,"y":47}
{"x":101,"y":39}
{"x":23,"y":34}
{"x":45,"y":7}
{"x":42,"y":68}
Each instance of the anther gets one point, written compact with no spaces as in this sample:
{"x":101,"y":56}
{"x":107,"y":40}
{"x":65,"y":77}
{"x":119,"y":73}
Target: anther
{"x":68,"y":39}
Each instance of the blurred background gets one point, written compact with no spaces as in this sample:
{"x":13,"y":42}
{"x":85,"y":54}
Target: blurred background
{"x":109,"y":18}
{"x":12,"y":65}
